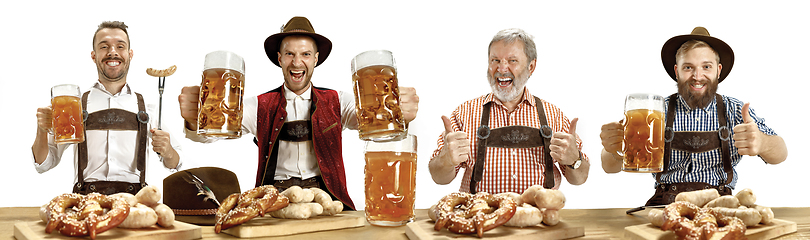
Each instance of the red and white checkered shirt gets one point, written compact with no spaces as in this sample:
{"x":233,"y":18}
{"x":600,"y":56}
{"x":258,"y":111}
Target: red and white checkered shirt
{"x":507,"y":169}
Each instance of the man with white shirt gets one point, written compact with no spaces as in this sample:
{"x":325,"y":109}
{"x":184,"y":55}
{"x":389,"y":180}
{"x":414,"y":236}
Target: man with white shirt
{"x":112,"y":159}
{"x":298,"y":126}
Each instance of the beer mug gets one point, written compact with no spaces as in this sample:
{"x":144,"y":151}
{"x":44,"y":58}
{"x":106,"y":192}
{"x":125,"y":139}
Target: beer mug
{"x":220,"y":105}
{"x":376,"y":96}
{"x":390,"y":181}
{"x":67,"y":119}
{"x":643,"y":144}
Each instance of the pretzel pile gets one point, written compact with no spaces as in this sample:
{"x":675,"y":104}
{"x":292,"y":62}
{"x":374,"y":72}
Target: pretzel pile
{"x":467,"y":213}
{"x":683,"y":216}
{"x":80,"y":215}
{"x":240,"y":208}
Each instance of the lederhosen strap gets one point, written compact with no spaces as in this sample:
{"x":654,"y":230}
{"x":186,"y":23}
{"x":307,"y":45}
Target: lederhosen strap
{"x":513,"y":137}
{"x":296,"y":131}
{"x":116,"y":119}
{"x":293,"y":131}
{"x":698,"y":141}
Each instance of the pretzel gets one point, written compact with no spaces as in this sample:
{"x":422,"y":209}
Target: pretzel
{"x":90,"y":219}
{"x":689,"y":221}
{"x":240,"y":208}
{"x":161,"y":73}
{"x":466,"y":213}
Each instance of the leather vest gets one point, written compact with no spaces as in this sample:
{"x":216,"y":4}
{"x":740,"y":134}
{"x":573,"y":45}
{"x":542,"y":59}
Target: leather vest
{"x":513,"y":137}
{"x":324,"y":130}
{"x":114,"y":119}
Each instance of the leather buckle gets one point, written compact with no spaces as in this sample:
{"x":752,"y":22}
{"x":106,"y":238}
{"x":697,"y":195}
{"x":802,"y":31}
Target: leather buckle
{"x":483,"y":132}
{"x":720,"y":133}
{"x":671,"y":134}
{"x":543,"y":131}
{"x":144,"y":121}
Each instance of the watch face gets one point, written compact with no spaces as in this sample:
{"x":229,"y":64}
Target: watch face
{"x":576,"y":164}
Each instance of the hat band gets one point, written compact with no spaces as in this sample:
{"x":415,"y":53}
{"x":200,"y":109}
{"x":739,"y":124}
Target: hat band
{"x":297,"y":30}
{"x":195,"y":212}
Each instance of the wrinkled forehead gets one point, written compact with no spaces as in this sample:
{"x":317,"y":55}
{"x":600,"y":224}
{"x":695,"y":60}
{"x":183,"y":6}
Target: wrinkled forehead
{"x":298,"y":41}
{"x":506,"y":48}
{"x":110,"y":36}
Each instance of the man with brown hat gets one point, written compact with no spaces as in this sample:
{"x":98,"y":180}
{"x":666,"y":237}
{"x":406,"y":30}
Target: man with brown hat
{"x":725,"y":128}
{"x":313,"y":158}
{"x":519,"y":145}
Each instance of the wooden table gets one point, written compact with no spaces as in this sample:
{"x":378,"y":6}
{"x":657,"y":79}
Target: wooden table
{"x":598,"y":224}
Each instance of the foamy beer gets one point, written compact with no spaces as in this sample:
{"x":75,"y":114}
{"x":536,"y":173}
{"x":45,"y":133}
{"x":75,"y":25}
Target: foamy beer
{"x":390,"y":181}
{"x":643,"y":147}
{"x":67,"y":117}
{"x":376,"y":96}
{"x":220,"y":106}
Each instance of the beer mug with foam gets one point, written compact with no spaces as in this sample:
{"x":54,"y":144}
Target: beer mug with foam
{"x":220,"y":105}
{"x":376,"y":94}
{"x":67,"y":117}
{"x":643,"y":145}
{"x":390,"y":181}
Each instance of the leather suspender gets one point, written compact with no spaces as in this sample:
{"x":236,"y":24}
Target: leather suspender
{"x":723,"y":134}
{"x":483,"y":133}
{"x":140,"y":150}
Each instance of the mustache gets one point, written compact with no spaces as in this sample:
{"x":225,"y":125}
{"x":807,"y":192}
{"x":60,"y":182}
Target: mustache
{"x":112,"y":58}
{"x":509,"y":75}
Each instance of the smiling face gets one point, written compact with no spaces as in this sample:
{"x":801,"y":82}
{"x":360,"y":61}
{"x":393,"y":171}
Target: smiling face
{"x":697,"y":71}
{"x":112,"y":54}
{"x":297,"y":57}
{"x":509,"y":69}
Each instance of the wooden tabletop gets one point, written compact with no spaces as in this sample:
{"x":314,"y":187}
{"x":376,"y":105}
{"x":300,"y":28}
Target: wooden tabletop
{"x":598,"y":224}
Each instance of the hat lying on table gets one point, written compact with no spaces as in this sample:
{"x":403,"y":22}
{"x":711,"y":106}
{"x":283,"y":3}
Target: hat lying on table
{"x":194,"y":194}
{"x":699,"y":33}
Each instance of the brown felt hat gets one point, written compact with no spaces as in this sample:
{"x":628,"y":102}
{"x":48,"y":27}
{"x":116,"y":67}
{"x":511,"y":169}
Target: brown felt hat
{"x":297,"y":26}
{"x":699,"y":33}
{"x":182,"y":195}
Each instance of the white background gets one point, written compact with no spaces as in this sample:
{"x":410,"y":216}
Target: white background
{"x":590,"y":55}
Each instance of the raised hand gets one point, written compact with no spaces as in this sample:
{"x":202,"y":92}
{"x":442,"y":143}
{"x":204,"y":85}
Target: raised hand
{"x":612,"y":136}
{"x":189,"y":98}
{"x":456,"y":144}
{"x":747,"y":137}
{"x":564,"y":145}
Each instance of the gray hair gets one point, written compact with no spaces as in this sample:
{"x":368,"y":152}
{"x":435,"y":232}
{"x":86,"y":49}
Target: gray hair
{"x":511,"y":35}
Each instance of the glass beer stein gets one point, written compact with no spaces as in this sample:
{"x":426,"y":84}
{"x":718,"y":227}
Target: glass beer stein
{"x":390,"y":181}
{"x":67,"y":119}
{"x":220,"y":105}
{"x":643,"y":144}
{"x":376,"y":96}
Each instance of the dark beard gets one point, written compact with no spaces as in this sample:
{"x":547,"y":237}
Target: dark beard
{"x":694,"y":101}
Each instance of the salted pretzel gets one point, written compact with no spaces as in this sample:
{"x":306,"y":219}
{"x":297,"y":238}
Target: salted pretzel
{"x":78,"y":215}
{"x":240,"y":208}
{"x":689,"y":221}
{"x":161,"y":73}
{"x":467,"y":213}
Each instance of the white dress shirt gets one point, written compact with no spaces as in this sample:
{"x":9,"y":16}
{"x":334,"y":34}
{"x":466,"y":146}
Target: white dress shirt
{"x":111,"y":153}
{"x":295,"y":159}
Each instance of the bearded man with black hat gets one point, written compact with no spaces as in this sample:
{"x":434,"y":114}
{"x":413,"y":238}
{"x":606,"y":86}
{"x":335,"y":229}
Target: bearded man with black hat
{"x":725,"y":128}
{"x":314,"y":157}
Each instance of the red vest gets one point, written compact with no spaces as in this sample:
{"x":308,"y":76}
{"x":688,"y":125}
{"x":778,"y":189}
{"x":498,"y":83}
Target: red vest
{"x":326,"y":137}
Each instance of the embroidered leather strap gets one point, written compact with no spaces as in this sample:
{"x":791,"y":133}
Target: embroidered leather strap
{"x":195,"y":212}
{"x":116,"y":119}
{"x":513,"y":137}
{"x":696,"y":142}
{"x":296,"y":131}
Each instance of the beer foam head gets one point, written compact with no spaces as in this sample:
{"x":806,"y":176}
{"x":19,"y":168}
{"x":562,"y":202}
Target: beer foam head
{"x":644,"y":101}
{"x":373,"y":58}
{"x":224,"y":59}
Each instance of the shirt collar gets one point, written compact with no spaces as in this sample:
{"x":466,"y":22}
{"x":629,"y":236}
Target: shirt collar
{"x":527,"y":98}
{"x":124,"y":91}
{"x":290,"y":95}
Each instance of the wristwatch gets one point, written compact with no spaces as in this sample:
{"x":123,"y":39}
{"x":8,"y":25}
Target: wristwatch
{"x":577,"y":162}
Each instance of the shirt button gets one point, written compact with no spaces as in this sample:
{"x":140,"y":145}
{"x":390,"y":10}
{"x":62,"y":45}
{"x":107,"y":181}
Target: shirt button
{"x":514,"y":176}
{"x":514,"y":152}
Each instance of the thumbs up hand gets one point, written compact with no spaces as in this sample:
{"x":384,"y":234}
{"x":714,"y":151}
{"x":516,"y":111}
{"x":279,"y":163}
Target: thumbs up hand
{"x":747,"y":137}
{"x":564,"y":145}
{"x":456,"y":144}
